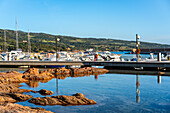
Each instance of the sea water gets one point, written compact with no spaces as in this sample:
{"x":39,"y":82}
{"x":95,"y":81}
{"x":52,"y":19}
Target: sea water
{"x":113,"y":93}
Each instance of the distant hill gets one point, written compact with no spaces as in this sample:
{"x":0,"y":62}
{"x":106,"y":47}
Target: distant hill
{"x":46,"y":42}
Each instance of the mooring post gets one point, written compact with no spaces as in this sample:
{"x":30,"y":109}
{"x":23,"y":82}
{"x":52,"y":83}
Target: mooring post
{"x":159,"y":57}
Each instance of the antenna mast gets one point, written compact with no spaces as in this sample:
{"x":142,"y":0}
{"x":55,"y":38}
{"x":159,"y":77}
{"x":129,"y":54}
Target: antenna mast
{"x":5,"y":40}
{"x":29,"y":44}
{"x":16,"y":36}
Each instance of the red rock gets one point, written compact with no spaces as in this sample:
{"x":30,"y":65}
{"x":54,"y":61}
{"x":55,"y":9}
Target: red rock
{"x":16,"y":108}
{"x":6,"y":99}
{"x":11,"y":77}
{"x":33,"y":74}
{"x":17,"y":97}
{"x":45,"y":92}
{"x":76,"y":99}
{"x":32,"y":71}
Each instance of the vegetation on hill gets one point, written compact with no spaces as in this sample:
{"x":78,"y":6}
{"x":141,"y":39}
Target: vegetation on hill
{"x":46,"y":42}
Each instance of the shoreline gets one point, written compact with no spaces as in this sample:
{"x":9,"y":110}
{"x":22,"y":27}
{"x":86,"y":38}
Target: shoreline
{"x":10,"y":93}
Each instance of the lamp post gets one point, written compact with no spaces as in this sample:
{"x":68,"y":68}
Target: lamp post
{"x":137,"y":47}
{"x":57,"y":40}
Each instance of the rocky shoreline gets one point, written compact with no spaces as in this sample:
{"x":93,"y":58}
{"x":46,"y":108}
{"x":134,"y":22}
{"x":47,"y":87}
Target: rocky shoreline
{"x":11,"y":93}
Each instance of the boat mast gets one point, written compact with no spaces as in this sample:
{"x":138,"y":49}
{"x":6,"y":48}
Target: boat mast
{"x":29,"y":44}
{"x":16,"y":36}
{"x":5,"y":40}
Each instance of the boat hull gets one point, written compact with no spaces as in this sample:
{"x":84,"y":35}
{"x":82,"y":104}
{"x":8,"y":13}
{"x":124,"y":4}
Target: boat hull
{"x":53,"y":66}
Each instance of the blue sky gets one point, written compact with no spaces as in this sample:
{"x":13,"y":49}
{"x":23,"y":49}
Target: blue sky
{"x":115,"y":19}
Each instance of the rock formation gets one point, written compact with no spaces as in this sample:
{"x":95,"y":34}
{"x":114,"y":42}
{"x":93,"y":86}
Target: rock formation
{"x":10,"y":91}
{"x":33,"y":74}
{"x":11,"y":77}
{"x":14,"y":97}
{"x":16,"y":108}
{"x":85,"y":70}
{"x":61,"y":73}
{"x":76,"y":99}
{"x":45,"y":92}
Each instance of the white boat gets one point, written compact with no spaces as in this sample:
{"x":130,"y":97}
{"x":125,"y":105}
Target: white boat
{"x":13,"y":55}
{"x":107,"y":56}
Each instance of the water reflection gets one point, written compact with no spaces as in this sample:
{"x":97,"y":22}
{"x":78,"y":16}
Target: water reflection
{"x":159,"y":79}
{"x":57,"y":82}
{"x":32,"y":83}
{"x":96,"y":77}
{"x":57,"y":86}
{"x":138,"y":92}
{"x":35,"y":83}
{"x":137,"y":89}
{"x":138,"y":85}
{"x":137,"y":74}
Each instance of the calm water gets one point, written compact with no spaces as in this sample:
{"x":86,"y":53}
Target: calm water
{"x":112,"y":92}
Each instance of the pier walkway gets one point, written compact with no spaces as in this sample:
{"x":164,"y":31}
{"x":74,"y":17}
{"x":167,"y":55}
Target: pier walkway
{"x":155,"y":64}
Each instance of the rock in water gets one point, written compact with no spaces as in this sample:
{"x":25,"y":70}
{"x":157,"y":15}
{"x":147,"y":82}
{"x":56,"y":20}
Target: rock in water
{"x":79,"y":95}
{"x":32,"y":71}
{"x":45,"y":92}
{"x":33,"y":74}
{"x":76,"y":99}
{"x":15,"y":97}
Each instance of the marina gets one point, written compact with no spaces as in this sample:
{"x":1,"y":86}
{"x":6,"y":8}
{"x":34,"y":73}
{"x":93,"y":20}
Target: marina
{"x":85,"y":57}
{"x":88,"y":58}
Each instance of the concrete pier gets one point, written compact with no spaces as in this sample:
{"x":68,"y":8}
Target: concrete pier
{"x":120,"y":64}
